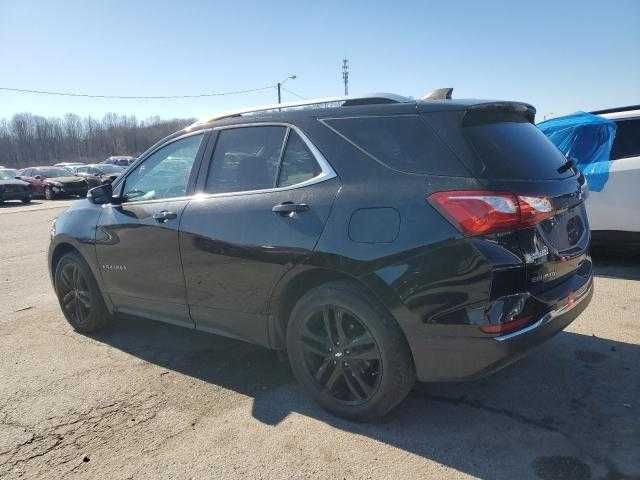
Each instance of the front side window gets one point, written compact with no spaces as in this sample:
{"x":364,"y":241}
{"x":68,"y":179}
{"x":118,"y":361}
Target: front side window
{"x":627,"y":141}
{"x":165,"y":173}
{"x":298,"y":163}
{"x":245,"y":158}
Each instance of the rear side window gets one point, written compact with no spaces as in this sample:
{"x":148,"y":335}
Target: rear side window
{"x":627,"y":139}
{"x":298,"y":163}
{"x":245,"y":158}
{"x":401,"y":142}
{"x":510,"y":147}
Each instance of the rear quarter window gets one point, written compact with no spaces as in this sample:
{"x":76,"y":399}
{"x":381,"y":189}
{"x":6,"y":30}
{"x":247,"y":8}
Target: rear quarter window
{"x":401,"y":142}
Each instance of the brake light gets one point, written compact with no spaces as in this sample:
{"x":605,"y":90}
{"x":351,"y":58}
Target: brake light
{"x":477,"y":212}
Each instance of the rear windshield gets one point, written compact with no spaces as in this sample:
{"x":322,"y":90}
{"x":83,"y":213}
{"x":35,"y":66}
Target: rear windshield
{"x":401,"y":142}
{"x":512,"y":148}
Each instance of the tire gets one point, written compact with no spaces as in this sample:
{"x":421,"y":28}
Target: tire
{"x":80,"y":298}
{"x":26,"y":199}
{"x":374,"y":363}
{"x":48,"y":193}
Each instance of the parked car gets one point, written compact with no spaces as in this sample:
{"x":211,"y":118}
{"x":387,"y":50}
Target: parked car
{"x":13,"y":189}
{"x":120,"y":160}
{"x":9,"y":171}
{"x":52,"y":182}
{"x":99,"y":173}
{"x":69,"y":164}
{"x":376,"y":239}
{"x":613,"y":211}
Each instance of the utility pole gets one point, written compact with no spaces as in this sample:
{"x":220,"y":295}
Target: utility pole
{"x":279,"y":85}
{"x":345,"y":75}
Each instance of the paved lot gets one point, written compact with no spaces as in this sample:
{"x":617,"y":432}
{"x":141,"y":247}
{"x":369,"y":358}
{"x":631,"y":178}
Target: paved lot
{"x":146,"y":400}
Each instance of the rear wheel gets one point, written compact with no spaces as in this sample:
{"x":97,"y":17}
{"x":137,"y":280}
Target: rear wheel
{"x":348,"y":352}
{"x":79,"y":294}
{"x":26,"y":199}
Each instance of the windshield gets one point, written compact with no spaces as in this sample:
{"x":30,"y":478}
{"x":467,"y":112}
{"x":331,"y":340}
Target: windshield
{"x":7,"y":174}
{"x":52,"y":172}
{"x":107,"y":168}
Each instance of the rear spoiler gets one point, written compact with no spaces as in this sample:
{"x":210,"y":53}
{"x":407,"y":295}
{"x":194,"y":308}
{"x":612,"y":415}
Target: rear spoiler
{"x":439,"y":94}
{"x":491,"y":112}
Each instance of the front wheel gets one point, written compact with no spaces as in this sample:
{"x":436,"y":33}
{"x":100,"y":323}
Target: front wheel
{"x":348,"y":352}
{"x":26,"y":199}
{"x":48,"y":193}
{"x":79,"y":294}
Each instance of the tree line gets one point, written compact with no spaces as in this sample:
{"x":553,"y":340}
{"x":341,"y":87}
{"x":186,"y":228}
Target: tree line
{"x":29,"y":140}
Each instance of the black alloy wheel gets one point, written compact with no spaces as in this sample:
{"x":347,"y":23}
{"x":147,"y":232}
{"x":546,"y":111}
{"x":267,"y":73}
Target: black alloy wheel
{"x":348,"y":353}
{"x":341,"y":355}
{"x":79,"y":295}
{"x":75,"y":296}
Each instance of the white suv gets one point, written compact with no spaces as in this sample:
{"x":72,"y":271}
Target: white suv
{"x":614,"y":212}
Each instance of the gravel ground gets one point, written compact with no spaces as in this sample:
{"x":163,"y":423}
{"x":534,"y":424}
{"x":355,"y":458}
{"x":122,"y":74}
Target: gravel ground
{"x":147,"y":400}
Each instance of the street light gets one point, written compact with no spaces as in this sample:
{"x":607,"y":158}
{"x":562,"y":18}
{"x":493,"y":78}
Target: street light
{"x":290,"y":77}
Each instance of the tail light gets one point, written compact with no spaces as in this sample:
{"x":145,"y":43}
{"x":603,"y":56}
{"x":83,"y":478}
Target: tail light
{"x":477,"y":212}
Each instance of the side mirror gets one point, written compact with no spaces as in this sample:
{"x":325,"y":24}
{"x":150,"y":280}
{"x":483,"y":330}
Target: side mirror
{"x":38,"y":177}
{"x":102,"y":194}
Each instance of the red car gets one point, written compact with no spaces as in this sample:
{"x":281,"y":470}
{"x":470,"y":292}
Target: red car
{"x":52,"y":182}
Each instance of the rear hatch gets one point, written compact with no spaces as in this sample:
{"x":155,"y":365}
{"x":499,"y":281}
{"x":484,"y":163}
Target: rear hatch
{"x":501,"y":147}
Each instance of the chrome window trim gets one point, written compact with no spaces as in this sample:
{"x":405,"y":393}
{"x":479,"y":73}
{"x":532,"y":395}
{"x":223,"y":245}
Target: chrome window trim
{"x":326,"y":171}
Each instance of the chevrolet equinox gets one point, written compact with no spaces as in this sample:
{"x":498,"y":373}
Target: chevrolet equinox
{"x":376,"y":239}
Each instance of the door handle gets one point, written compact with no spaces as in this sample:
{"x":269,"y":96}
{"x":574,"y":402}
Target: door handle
{"x":163,"y":216}
{"x":288,"y":208}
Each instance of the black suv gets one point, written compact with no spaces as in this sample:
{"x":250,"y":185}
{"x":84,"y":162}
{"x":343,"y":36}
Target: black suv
{"x":376,"y":239}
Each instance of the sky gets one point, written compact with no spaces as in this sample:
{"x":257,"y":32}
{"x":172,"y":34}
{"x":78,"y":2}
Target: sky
{"x":560,"y":56}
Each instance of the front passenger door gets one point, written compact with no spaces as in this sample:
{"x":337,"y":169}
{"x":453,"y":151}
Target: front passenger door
{"x":137,"y":241}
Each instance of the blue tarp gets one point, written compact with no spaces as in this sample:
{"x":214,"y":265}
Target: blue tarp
{"x":587,"y":140}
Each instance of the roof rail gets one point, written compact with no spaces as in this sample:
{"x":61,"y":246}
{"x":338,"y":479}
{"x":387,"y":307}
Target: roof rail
{"x":368,"y":99}
{"x":616,"y":110}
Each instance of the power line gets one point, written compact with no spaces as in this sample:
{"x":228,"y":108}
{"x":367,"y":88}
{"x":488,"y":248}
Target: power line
{"x":294,"y":93}
{"x":135,"y":97}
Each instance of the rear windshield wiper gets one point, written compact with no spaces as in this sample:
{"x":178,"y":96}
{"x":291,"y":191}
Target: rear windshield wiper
{"x":566,"y":166}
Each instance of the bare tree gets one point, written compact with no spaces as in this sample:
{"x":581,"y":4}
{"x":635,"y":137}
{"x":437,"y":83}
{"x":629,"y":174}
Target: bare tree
{"x":28,"y":139}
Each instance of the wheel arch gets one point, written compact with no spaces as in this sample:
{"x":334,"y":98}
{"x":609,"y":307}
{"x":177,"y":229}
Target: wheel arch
{"x":67,"y":245}
{"x":294,"y":285}
{"x":58,"y":251}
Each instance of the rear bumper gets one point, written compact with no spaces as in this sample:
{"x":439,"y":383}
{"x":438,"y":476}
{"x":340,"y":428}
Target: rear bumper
{"x":470,"y":357}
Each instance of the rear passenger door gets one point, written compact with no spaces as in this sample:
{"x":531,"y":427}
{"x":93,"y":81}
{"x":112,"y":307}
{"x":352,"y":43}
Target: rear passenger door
{"x":266,"y":196}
